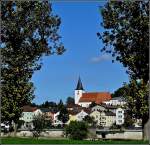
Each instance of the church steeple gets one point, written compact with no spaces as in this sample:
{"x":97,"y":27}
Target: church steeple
{"x":79,"y":85}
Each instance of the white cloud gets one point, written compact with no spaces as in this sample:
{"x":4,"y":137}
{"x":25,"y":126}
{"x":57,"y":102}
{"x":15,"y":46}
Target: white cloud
{"x":101,"y":58}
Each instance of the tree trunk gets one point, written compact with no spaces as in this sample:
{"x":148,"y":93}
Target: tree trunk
{"x":15,"y":129}
{"x":146,"y":130}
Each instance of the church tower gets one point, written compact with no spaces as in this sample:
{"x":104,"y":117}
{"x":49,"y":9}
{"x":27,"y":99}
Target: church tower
{"x":78,"y":91}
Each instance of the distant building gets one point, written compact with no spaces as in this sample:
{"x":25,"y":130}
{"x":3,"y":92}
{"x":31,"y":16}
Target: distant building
{"x":85,"y":99}
{"x":116,"y":101}
{"x":27,"y":116}
{"x":96,"y":114}
{"x":78,"y":115}
{"x":48,"y":113}
{"x":28,"y":113}
{"x":98,"y":108}
{"x":56,"y":121}
{"x":119,"y":116}
{"x":104,"y":118}
{"x":81,"y":115}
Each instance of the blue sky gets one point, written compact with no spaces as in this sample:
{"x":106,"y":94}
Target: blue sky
{"x":58,"y":77}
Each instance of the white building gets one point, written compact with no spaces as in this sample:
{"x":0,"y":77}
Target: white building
{"x":119,"y":116}
{"x":56,"y":121}
{"x":37,"y":112}
{"x":84,"y":99}
{"x":116,"y":101}
{"x":28,"y":113}
{"x":98,"y":108}
{"x":80,"y":116}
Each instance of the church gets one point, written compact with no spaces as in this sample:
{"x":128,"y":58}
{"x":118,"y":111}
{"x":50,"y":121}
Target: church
{"x":84,"y":99}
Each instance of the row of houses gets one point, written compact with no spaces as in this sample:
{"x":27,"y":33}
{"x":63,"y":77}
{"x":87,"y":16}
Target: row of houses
{"x":104,"y":115}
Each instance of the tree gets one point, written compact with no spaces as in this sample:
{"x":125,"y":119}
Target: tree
{"x":120,"y":92}
{"x":128,"y":121}
{"x":89,"y":120}
{"x":92,"y":104}
{"x":137,"y":101}
{"x":63,"y":115}
{"x":60,"y":105}
{"x":70,"y":100}
{"x":20,"y":123}
{"x":39,"y":124}
{"x":77,"y":130}
{"x":127,"y":35}
{"x":127,"y":39}
{"x":28,"y":32}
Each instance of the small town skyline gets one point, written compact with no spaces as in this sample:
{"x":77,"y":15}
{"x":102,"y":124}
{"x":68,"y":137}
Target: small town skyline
{"x":59,"y":74}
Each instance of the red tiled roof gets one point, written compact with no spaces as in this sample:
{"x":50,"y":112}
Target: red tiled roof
{"x":29,"y":108}
{"x":97,"y":97}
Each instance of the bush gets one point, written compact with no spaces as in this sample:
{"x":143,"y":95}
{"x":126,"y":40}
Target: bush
{"x":39,"y":123}
{"x":77,"y":130}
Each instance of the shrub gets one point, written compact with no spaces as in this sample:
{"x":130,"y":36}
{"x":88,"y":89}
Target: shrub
{"x":39,"y":123}
{"x":77,"y":130}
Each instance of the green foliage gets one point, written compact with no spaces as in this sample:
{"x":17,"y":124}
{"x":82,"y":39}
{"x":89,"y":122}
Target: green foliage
{"x":92,"y":104}
{"x":115,"y":126}
{"x":127,"y":35}
{"x":127,"y":39}
{"x":121,"y":92}
{"x":128,"y":121}
{"x":77,"y":130}
{"x":70,"y":100}
{"x":60,"y":105}
{"x":89,"y":120}
{"x":17,"y":140}
{"x":48,"y":104}
{"x":28,"y":32}
{"x":39,"y":123}
{"x":137,"y":100}
{"x":63,"y":115}
{"x":20,"y":123}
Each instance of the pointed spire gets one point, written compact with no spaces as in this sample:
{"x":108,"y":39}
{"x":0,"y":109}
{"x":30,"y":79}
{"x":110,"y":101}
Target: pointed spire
{"x":79,"y":85}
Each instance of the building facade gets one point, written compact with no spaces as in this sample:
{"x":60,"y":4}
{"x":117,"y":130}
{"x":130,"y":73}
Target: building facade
{"x":84,"y":99}
{"x":119,"y":116}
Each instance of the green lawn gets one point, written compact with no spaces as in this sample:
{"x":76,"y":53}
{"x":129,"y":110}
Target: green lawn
{"x":12,"y":140}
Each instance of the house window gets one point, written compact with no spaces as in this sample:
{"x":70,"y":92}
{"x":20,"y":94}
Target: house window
{"x":120,"y":116}
{"x":120,"y":121}
{"x":119,"y":111}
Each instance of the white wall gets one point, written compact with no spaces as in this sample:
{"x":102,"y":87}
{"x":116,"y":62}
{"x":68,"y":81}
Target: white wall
{"x":119,"y":116}
{"x":137,"y":135}
{"x":27,"y":116}
{"x":78,"y":95}
{"x":81,"y":115}
{"x":56,"y":121}
{"x":84,"y":104}
{"x":114,"y":102}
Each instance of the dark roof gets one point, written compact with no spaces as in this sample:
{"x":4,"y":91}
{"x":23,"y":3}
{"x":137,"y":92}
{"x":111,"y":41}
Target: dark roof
{"x":73,"y":112}
{"x":73,"y":106}
{"x":109,"y":106}
{"x":87,"y":110}
{"x":79,"y":85}
{"x":44,"y":110}
{"x":109,"y":113}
